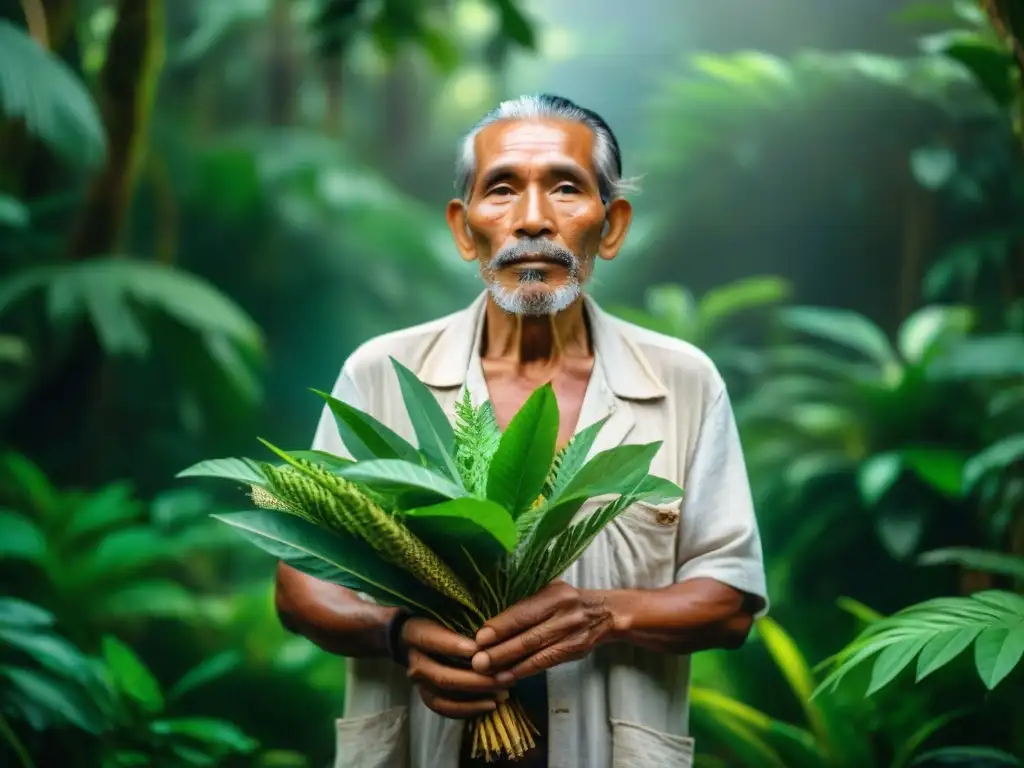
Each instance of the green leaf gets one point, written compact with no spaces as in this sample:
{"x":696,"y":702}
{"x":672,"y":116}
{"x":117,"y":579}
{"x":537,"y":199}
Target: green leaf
{"x":924,"y":332}
{"x":933,"y":166}
{"x":149,"y":598}
{"x":941,"y":469}
{"x":365,"y":437}
{"x":575,"y":455}
{"x":523,"y":459}
{"x":976,"y":560}
{"x":20,"y":538}
{"x":13,"y":213}
{"x":726,"y":301}
{"x":794,"y":668}
{"x":18,"y":613}
{"x":125,"y":553}
{"x":893,"y":660}
{"x":618,"y":470}
{"x":397,"y":476}
{"x":657,"y":490}
{"x":54,"y":103}
{"x":434,"y":432}
{"x":942,"y":649}
{"x":997,"y":457}
{"x":205,"y":672}
{"x":463,"y":518}
{"x":877,"y":475}
{"x":968,"y":756}
{"x":111,"y":505}
{"x":245,"y":471}
{"x":214,"y":733}
{"x":996,"y":356}
{"x":514,"y":25}
{"x":51,"y":651}
{"x":900,"y":529}
{"x":61,"y":700}
{"x":990,"y":64}
{"x":131,"y":676}
{"x":844,"y":328}
{"x":334,"y":556}
{"x":998,"y":650}
{"x":325,"y":459}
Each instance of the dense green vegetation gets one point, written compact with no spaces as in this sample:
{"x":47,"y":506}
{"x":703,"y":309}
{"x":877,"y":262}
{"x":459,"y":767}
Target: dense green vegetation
{"x":205,"y":206}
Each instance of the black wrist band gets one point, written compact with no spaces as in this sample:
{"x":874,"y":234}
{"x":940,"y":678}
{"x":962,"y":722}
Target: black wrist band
{"x":396,"y":650}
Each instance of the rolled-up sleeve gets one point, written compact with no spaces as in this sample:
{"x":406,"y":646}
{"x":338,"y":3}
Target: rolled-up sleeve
{"x":719,"y":536}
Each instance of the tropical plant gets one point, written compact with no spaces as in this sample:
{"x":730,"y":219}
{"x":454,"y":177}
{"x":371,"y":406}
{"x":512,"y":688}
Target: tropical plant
{"x":720,"y":322}
{"x":459,"y":527}
{"x":48,"y":683}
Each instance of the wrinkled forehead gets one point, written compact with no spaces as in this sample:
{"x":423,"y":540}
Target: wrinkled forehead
{"x":535,"y":145}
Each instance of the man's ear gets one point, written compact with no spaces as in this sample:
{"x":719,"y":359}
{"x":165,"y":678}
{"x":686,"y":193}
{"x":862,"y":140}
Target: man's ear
{"x":617,"y":219}
{"x":458,"y":223}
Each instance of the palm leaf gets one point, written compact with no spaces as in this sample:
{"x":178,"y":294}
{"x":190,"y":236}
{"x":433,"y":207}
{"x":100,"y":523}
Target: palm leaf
{"x":935,"y":632}
{"x":40,"y":89}
{"x":977,"y":560}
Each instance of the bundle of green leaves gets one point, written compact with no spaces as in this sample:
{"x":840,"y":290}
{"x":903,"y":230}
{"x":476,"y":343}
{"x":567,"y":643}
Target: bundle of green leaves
{"x":459,"y":527}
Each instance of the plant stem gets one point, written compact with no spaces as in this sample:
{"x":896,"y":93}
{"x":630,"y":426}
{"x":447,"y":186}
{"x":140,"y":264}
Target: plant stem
{"x":12,"y":738}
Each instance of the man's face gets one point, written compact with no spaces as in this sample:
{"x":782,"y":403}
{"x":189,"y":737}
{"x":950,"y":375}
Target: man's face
{"x":534,"y":216}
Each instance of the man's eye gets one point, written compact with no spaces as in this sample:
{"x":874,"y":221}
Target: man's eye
{"x":501,"y":189}
{"x":567,"y":189}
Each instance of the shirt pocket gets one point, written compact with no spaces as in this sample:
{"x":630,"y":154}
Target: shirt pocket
{"x":641,"y":544}
{"x":380,"y":740}
{"x":636,"y":746}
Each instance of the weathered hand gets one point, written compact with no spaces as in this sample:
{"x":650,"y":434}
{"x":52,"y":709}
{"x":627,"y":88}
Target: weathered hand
{"x":558,"y":624}
{"x":450,"y":691}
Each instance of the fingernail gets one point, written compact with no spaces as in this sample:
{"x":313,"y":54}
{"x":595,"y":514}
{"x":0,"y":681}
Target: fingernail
{"x":481,"y":662}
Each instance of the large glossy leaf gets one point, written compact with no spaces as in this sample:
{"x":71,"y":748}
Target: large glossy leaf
{"x":365,"y":437}
{"x":843,"y":328}
{"x":463,"y":519}
{"x":330,"y":555}
{"x":523,"y":460}
{"x":397,"y":476}
{"x":42,"y":90}
{"x":434,"y":432}
{"x":131,"y":676}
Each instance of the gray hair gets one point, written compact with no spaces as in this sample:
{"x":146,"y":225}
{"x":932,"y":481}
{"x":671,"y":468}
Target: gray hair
{"x":607,"y":156}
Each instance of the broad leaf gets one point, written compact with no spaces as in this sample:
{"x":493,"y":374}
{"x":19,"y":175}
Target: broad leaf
{"x":325,"y":459}
{"x":18,"y":613}
{"x":926,"y":330}
{"x":111,"y":505}
{"x":131,"y":676}
{"x":843,"y":328}
{"x":996,"y":356}
{"x":397,"y":476}
{"x":724,"y":302}
{"x":943,"y":470}
{"x":657,"y":490}
{"x":245,"y":471}
{"x":434,"y":432}
{"x":998,"y":650}
{"x":461,"y":519}
{"x":365,"y":437}
{"x":877,"y":475}
{"x":523,"y":459}
{"x":330,"y":555}
{"x":52,"y":652}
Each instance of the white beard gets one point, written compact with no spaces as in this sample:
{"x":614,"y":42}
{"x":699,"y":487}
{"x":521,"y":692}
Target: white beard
{"x":534,"y":303}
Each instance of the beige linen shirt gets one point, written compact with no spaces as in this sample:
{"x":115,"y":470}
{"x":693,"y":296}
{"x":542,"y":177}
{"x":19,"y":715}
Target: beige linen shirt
{"x":622,"y":706}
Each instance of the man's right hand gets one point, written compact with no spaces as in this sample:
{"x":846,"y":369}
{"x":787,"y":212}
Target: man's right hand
{"x":450,"y":691}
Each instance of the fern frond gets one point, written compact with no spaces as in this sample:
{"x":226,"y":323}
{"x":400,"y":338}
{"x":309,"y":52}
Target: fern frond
{"x":476,"y":439}
{"x":935,"y":632}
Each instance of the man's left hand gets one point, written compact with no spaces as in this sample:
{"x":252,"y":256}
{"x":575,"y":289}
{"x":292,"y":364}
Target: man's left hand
{"x":558,"y":624}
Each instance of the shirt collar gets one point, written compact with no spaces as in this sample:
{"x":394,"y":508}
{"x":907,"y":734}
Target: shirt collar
{"x":456,"y":352}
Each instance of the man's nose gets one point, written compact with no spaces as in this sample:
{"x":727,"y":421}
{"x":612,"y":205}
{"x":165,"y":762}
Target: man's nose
{"x":533,"y":215}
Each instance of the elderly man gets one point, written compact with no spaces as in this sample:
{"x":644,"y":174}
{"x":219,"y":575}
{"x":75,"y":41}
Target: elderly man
{"x":602,"y":656}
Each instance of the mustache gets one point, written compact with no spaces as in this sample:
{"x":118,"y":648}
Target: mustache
{"x":530,"y":247}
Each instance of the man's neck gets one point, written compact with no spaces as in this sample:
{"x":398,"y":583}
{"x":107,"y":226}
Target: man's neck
{"x":534,"y":344}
